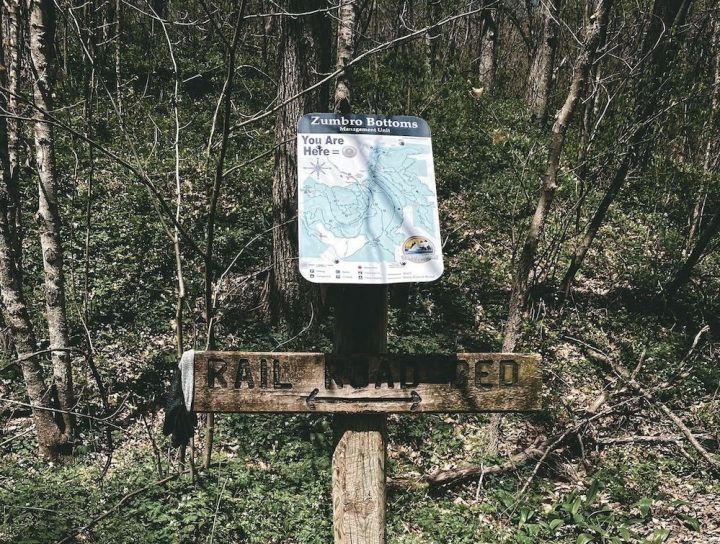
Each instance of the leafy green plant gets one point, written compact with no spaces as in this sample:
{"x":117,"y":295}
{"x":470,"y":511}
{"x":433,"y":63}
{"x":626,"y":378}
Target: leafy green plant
{"x":578,"y":515}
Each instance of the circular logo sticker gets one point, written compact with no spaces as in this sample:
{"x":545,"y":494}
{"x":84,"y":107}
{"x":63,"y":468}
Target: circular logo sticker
{"x":349,"y":151}
{"x":418,"y":249}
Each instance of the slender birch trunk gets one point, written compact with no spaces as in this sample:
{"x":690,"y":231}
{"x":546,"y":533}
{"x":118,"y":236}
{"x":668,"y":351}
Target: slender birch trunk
{"x":14,"y":128}
{"x":14,"y":307}
{"x":17,"y":318}
{"x":42,"y":32}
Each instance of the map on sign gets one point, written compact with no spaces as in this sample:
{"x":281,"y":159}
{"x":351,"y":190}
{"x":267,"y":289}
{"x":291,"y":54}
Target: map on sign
{"x":367,"y":203}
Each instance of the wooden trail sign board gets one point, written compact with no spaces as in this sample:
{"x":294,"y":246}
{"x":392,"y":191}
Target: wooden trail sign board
{"x":226,"y":381}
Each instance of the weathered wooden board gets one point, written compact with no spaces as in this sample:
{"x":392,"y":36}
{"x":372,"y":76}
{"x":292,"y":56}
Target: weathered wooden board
{"x":315,"y":382}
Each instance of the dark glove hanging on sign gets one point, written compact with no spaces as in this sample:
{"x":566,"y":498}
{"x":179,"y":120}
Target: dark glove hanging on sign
{"x":179,"y":421}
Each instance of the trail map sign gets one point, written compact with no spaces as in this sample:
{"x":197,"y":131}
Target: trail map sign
{"x":315,"y":382}
{"x":367,"y":203}
{"x":367,"y":215}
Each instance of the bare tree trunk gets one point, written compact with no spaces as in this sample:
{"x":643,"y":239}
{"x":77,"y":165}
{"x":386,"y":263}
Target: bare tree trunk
{"x":683,"y":274}
{"x":42,"y":32}
{"x":592,"y":229}
{"x":345,"y":53}
{"x":118,"y":57}
{"x":226,"y":100}
{"x":17,"y":318}
{"x":177,"y":249}
{"x":433,"y":38}
{"x":90,"y":79}
{"x":526,"y":260}
{"x":14,"y":128}
{"x":290,"y":298}
{"x":586,"y":137}
{"x":488,"y":45}
{"x":543,"y":61}
{"x":286,"y":290}
{"x":588,"y":109}
{"x":711,"y":147}
{"x":697,"y":215}
{"x":15,"y":310}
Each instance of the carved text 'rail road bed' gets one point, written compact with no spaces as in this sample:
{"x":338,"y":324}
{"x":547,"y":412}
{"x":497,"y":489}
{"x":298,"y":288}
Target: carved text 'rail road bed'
{"x":230,"y":381}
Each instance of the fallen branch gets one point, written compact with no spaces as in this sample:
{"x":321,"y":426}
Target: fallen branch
{"x":651,"y":439}
{"x":648,"y":395}
{"x":451,"y":476}
{"x":560,"y":439}
{"x":538,"y":452}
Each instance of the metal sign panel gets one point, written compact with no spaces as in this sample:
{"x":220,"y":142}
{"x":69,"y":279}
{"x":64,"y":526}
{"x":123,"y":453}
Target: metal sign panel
{"x":367,"y":203}
{"x":314,"y":382}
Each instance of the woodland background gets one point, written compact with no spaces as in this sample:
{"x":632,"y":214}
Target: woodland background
{"x":147,"y":206}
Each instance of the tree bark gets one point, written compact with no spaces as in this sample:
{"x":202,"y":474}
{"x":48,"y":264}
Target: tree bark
{"x":345,"y":52}
{"x":16,"y":317}
{"x":487,"y":63}
{"x":42,"y":32}
{"x":14,"y":128}
{"x":526,"y":260}
{"x":15,"y":311}
{"x":543,"y":61}
{"x":291,"y":299}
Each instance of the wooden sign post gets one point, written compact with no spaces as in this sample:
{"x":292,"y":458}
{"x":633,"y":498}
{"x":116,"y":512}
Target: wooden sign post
{"x":361,"y":388}
{"x":367,"y":217}
{"x":358,"y":461}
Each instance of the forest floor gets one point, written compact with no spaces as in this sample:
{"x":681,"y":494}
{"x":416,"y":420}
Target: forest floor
{"x":270,"y":479}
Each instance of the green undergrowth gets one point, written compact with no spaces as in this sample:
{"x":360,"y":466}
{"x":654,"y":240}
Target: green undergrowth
{"x":270,"y":483}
